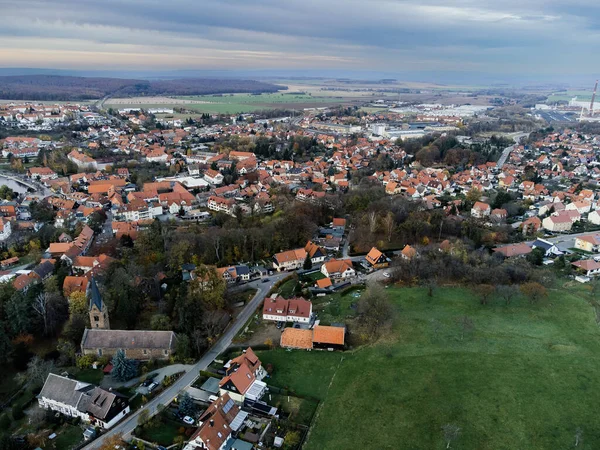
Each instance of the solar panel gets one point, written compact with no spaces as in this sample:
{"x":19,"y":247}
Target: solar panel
{"x":228,"y":406}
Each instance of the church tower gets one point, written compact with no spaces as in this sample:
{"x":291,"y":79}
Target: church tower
{"x":97,"y":308}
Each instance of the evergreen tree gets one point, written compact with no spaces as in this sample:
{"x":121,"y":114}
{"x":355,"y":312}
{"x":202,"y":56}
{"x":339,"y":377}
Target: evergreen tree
{"x":307,"y":263}
{"x":123,"y":369}
{"x":187,"y":407}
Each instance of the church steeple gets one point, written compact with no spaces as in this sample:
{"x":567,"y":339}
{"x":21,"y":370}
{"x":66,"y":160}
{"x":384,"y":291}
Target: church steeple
{"x":97,"y":308}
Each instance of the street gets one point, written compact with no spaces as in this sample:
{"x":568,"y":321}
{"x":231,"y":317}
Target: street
{"x":168,"y":395}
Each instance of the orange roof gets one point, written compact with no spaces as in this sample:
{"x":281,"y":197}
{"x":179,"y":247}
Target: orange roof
{"x":296,"y":338}
{"x":324,"y":283}
{"x":329,"y":335}
{"x":409,"y":252}
{"x":373,"y":256}
{"x":59,"y":247}
{"x":74,"y":284}
{"x":242,"y":378}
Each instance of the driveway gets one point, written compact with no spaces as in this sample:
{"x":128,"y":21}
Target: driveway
{"x":110,"y":382}
{"x":129,"y":424}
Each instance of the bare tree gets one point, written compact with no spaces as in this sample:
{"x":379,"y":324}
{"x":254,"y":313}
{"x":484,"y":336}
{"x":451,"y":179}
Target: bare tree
{"x":484,"y":292}
{"x":578,"y":436}
{"x":534,"y":291}
{"x":466,"y":325}
{"x":451,"y":433}
{"x":507,"y":292}
{"x":389,"y":223}
{"x":372,"y":218}
{"x":41,"y":306}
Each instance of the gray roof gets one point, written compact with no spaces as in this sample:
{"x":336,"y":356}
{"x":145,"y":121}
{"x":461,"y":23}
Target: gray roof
{"x":67,"y":391}
{"x":44,"y":269}
{"x":128,"y":339}
{"x":95,"y":297}
{"x":211,"y":385}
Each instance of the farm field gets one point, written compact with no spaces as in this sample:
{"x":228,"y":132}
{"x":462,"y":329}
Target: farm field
{"x":525,"y":377}
{"x":582,"y":95}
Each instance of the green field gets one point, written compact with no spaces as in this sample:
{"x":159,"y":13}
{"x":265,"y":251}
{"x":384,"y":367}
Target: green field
{"x":565,"y":96}
{"x":524,"y":378}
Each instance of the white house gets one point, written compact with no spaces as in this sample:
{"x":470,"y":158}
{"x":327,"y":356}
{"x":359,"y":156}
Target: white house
{"x":213,"y":177}
{"x":78,"y":399}
{"x":338,"y":269}
{"x":5,"y":229}
{"x":480,"y":210}
{"x":278,"y":309}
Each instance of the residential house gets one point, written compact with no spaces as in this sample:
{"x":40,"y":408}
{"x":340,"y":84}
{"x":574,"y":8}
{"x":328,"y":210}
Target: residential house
{"x":289,"y":260}
{"x":5,"y":229}
{"x":217,"y":424}
{"x":480,"y":210}
{"x":74,"y":284}
{"x":588,"y":267}
{"x":91,"y":404}
{"x":241,"y":383}
{"x":338,"y":269}
{"x":588,"y":242}
{"x":549,"y":248}
{"x":315,"y":252}
{"x":514,"y":250}
{"x":278,"y":309}
{"x":376,"y":259}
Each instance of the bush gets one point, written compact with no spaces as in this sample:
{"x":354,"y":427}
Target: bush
{"x":85,"y":361}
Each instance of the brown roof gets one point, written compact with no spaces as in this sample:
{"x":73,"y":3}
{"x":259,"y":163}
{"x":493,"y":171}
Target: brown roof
{"x":296,"y":338}
{"x":242,"y":378}
{"x":74,"y":284}
{"x":373,"y":256}
{"x":514,"y":250}
{"x":329,"y":335}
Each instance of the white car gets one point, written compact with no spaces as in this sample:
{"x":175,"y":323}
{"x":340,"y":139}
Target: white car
{"x":386,"y":274}
{"x":189,"y":420}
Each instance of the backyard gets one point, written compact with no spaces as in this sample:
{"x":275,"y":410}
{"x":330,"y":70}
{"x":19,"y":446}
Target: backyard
{"x":523,"y":376}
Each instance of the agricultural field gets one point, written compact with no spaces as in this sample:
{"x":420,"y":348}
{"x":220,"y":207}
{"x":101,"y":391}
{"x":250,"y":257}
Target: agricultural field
{"x":565,"y":96}
{"x":524,"y":376}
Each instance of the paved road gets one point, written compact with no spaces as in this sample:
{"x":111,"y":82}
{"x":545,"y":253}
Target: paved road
{"x":168,"y":395}
{"x":507,"y":150}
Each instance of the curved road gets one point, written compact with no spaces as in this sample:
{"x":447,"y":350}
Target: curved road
{"x":168,"y":395}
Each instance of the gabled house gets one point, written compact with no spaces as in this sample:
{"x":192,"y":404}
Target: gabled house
{"x":91,"y":404}
{"x":241,"y":384}
{"x":480,"y":210}
{"x":316,"y":253}
{"x":338,"y":269}
{"x":278,"y":309}
{"x":376,"y":259}
{"x":141,"y":345}
{"x":589,"y":242}
{"x":549,"y":248}
{"x":289,"y":260}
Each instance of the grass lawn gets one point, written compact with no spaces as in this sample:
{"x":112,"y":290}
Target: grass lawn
{"x":68,"y":436}
{"x":525,"y":378}
{"x":300,"y":410}
{"x":93,"y":376}
{"x":286,"y":290}
{"x":162,"y":434}
{"x":313,"y":277}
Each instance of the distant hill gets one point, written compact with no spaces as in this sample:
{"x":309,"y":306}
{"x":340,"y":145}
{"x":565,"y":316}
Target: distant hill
{"x":64,"y":88}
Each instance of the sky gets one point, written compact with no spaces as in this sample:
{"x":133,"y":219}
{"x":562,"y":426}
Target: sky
{"x":548,"y":39}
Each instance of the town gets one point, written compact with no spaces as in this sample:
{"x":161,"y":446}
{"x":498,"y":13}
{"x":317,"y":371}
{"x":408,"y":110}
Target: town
{"x":168,"y":260}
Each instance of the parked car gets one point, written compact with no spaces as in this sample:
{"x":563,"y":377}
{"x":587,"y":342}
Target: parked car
{"x":266,"y":280}
{"x":280,"y":325}
{"x":152,"y":386}
{"x":189,"y":420}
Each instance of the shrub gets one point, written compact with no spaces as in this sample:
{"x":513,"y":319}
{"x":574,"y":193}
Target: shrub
{"x":85,"y":361}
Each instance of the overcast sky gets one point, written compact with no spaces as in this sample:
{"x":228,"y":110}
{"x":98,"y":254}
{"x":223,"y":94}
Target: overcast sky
{"x":500,"y":37}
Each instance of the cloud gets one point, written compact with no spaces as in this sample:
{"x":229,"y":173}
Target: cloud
{"x":507,"y":37}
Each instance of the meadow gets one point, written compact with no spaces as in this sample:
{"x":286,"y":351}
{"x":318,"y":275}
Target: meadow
{"x":524,"y":377}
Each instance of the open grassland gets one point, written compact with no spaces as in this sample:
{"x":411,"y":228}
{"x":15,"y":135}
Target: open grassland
{"x":524,"y":378}
{"x":565,"y":96}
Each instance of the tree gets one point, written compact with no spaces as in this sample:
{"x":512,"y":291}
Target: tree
{"x":67,"y":352}
{"x":114,"y":441}
{"x":474,"y":195}
{"x":484,"y":292}
{"x":78,"y":303}
{"x":123,"y":368}
{"x":507,"y":292}
{"x":534,"y":291}
{"x":389,"y":223}
{"x":536,"y":256}
{"x":307,"y":263}
{"x":187,"y":407}
{"x":143,"y":417}
{"x":160,"y":322}
{"x":451,"y":433}
{"x":375,"y":311}
{"x":465,"y":325}
{"x":37,"y":371}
